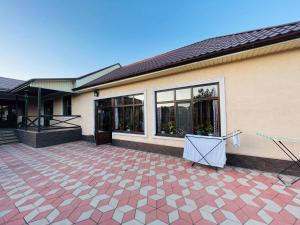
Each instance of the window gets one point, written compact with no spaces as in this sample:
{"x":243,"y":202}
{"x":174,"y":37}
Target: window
{"x":3,"y":112}
{"x":126,"y":113}
{"x":188,"y":110}
{"x":67,"y":105}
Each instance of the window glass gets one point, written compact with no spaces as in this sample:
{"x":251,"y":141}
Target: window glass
{"x":165,"y":115}
{"x":3,"y":112}
{"x":67,"y":105}
{"x":128,"y":112}
{"x":128,"y":100}
{"x":138,"y":119}
{"x":118,"y":101}
{"x":165,"y":96}
{"x":104,"y":119}
{"x":198,"y":115}
{"x":118,"y":118}
{"x":139,"y":99}
{"x":183,"y":118}
{"x":206,"y":118}
{"x":206,"y":91}
{"x":183,"y":94}
{"x":105,"y":102}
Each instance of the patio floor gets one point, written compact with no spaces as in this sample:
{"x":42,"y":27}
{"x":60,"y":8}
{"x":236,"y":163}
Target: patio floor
{"x":78,"y":183}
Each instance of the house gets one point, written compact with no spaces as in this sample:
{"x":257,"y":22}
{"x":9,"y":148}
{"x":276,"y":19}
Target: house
{"x":46,"y":114}
{"x":248,"y":81}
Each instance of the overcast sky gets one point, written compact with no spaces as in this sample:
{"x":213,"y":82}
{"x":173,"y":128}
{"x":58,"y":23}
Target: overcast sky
{"x":69,"y":38}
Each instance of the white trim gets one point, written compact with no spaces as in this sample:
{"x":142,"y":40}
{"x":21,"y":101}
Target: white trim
{"x":223,"y":117}
{"x":119,"y":94}
{"x":144,"y":92}
{"x":115,"y":133}
{"x":168,"y":138}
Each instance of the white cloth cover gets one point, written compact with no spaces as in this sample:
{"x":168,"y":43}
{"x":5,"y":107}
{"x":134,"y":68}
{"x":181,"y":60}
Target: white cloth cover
{"x":236,"y":140}
{"x":204,"y":144}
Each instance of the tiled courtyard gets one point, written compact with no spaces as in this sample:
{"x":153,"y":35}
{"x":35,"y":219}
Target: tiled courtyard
{"x":78,"y":183}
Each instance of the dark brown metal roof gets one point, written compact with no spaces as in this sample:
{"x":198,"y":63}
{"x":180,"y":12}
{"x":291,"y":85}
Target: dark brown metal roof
{"x":202,"y":50}
{"x":7,"y":84}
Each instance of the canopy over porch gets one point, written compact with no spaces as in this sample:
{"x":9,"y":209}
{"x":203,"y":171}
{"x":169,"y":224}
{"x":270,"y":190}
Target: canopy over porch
{"x":38,"y":115}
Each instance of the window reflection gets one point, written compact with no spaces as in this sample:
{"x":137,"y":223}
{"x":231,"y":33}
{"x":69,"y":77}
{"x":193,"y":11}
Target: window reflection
{"x":138,"y":119}
{"x":183,"y":94}
{"x":126,"y":114}
{"x":184,"y":118}
{"x":195,"y":110}
{"x":166,"y":118}
{"x":139,"y":99}
{"x":165,"y":96}
{"x":206,"y":91}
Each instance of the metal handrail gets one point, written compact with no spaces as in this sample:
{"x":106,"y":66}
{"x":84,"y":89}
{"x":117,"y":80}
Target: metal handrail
{"x":30,"y":122}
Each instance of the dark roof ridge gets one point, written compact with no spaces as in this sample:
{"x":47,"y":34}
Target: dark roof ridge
{"x":202,"y":50}
{"x":210,"y":39}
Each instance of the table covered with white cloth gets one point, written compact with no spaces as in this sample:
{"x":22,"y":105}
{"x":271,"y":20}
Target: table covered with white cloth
{"x":205,"y":150}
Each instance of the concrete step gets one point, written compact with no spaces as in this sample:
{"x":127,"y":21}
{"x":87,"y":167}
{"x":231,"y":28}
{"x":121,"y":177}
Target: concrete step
{"x":7,"y":134}
{"x":9,"y":142}
{"x":8,"y":137}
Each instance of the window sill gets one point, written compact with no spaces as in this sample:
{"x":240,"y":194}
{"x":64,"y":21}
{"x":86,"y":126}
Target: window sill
{"x":168,"y":137}
{"x":129,"y":134}
{"x":174,"y":137}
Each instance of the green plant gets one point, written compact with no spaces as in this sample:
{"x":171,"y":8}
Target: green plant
{"x":164,"y":129}
{"x":200,"y":130}
{"x":209,"y":128}
{"x":128,"y":127}
{"x":172,"y":128}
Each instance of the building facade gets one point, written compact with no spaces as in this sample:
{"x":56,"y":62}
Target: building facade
{"x":247,"y":81}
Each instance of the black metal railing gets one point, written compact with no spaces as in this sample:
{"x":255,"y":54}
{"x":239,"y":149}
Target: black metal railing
{"x":48,"y":122}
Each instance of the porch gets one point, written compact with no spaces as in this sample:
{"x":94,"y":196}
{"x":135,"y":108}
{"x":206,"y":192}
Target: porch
{"x":47,"y":116}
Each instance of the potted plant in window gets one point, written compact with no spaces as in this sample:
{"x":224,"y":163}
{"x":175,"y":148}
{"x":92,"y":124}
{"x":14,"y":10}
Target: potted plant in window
{"x":128,"y":127}
{"x":209,"y":129}
{"x":172,"y":128}
{"x":164,"y":129}
{"x":200,"y":130}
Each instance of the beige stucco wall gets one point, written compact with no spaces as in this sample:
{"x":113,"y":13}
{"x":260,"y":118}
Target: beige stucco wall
{"x":32,"y":107}
{"x":261,"y":95}
{"x":57,"y":106}
{"x":83,"y":104}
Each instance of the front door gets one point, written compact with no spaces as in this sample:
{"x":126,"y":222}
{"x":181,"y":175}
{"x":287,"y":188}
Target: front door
{"x":103,"y":125}
{"x":48,"y":112}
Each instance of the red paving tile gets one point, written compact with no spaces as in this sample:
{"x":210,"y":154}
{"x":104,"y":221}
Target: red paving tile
{"x":82,"y":184}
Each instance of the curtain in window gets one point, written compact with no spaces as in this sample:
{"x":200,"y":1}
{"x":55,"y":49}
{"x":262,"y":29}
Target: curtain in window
{"x":116,"y":116}
{"x":183,"y":118}
{"x":216,"y":114}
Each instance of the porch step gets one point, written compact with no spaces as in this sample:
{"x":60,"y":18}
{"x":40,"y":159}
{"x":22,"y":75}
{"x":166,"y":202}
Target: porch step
{"x":8,"y":137}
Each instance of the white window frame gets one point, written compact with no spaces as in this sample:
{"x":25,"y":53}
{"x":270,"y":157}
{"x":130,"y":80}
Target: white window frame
{"x":223,"y":117}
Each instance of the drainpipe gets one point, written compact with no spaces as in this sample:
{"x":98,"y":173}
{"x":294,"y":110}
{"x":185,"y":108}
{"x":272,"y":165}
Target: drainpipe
{"x":39,"y":109}
{"x":17,"y":110}
{"x":26,"y":110}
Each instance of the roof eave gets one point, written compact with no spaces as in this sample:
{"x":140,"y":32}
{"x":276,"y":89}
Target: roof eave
{"x":290,"y":44}
{"x":261,"y":43}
